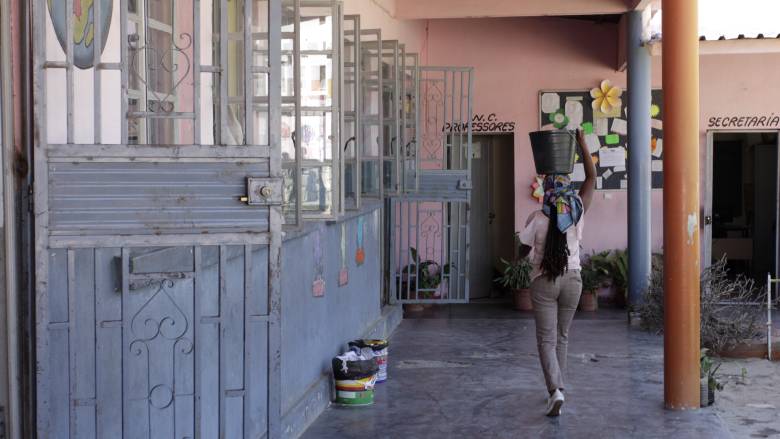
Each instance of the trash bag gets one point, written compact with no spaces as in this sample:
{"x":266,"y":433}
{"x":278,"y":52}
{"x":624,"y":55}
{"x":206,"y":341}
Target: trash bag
{"x":376,"y":348}
{"x":354,"y":365}
{"x":375,"y":344}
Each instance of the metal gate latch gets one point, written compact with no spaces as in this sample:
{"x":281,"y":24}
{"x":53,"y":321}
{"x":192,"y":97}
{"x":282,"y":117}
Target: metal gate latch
{"x":263,"y":191}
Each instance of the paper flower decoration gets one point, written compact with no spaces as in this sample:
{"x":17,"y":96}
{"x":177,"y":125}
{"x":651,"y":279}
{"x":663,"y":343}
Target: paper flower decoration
{"x":558,"y":119}
{"x":606,"y":98}
{"x":538,"y":188}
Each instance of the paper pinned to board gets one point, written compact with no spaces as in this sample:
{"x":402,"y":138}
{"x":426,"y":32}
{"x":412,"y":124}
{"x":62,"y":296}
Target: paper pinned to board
{"x":601,"y":127}
{"x":592,"y":142}
{"x":578,"y":174}
{"x":599,"y":182}
{"x":657,"y":165}
{"x":623,"y":184}
{"x":606,"y":174}
{"x":659,"y":148}
{"x":574,"y":112}
{"x":551,"y":102}
{"x":619,"y":169}
{"x":656,"y":124}
{"x":587,"y":128}
{"x":612,"y":139}
{"x":609,"y":157}
{"x":620,"y":126}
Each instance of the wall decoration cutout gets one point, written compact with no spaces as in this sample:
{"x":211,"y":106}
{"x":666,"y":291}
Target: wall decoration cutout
{"x":559,"y":119}
{"x":538,"y":188}
{"x":606,"y":99}
{"x":83,"y":27}
{"x":344,"y":271}
{"x":318,"y":286}
{"x":606,"y":131}
{"x":360,"y":253}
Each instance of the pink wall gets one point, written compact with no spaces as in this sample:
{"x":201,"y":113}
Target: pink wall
{"x":514,"y":58}
{"x":378,"y":14}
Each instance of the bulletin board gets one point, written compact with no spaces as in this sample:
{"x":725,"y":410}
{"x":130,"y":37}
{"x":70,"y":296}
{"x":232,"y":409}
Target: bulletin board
{"x":605,"y":134}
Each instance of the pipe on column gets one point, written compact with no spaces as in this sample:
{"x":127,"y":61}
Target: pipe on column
{"x":681,"y":204}
{"x":639,"y":171}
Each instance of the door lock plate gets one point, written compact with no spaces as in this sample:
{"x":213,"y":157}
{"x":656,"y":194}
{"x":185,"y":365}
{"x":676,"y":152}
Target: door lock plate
{"x":263,"y":191}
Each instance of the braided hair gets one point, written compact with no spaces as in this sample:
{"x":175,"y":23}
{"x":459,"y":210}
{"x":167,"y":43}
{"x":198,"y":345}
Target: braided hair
{"x":556,"y":251}
{"x":563,"y":208}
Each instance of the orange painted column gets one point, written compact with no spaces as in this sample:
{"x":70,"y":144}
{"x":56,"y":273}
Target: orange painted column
{"x":681,"y":204}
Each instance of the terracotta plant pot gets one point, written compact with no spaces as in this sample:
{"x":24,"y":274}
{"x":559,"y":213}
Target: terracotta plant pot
{"x":620,"y":298}
{"x":589,"y":301}
{"x":413,"y":307}
{"x":522,"y":300}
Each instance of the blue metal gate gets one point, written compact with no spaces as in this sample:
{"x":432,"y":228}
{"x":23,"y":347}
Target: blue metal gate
{"x":158,"y":198}
{"x":429,"y":221}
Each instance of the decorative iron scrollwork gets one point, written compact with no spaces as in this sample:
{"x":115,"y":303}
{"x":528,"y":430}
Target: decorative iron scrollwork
{"x":158,"y":330}
{"x":173,"y":61}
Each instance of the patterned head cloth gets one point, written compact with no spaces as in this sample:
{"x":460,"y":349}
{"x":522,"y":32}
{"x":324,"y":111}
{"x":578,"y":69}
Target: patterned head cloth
{"x":561,"y":199}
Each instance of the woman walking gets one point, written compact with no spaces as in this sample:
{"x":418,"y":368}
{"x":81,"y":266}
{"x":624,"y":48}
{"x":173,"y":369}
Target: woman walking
{"x":551,"y":239}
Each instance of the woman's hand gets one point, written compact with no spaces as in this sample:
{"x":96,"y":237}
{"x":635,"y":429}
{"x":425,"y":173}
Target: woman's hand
{"x":589,"y":185}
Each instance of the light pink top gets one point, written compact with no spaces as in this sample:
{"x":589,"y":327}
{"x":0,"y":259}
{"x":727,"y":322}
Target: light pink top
{"x":535,"y":234}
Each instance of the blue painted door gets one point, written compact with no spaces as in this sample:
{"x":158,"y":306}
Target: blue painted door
{"x":158,"y":218}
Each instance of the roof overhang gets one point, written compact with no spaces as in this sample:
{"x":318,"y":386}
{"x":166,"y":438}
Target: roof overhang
{"x":729,"y":47}
{"x":434,"y":9}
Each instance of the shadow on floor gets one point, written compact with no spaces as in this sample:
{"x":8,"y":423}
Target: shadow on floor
{"x":502,"y":309}
{"x":471,"y":371}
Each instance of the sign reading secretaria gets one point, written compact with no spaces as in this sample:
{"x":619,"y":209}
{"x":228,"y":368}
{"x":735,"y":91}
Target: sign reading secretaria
{"x":765,"y":121}
{"x":481,"y":124}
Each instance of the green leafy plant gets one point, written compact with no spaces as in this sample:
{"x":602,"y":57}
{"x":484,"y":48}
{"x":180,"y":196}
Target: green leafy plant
{"x":592,"y":278}
{"x":430,"y":274}
{"x":516,"y":275}
{"x":619,"y":262}
{"x":709,"y":369}
{"x":601,"y":263}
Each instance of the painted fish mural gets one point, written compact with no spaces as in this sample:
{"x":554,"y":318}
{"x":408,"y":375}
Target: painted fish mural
{"x":83,"y":27}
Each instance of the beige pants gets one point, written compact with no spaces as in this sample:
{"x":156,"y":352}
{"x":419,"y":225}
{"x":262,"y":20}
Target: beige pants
{"x":554,"y":306}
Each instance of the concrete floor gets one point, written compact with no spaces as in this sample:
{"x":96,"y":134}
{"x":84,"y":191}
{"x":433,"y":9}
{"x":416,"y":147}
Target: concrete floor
{"x":471,"y":371}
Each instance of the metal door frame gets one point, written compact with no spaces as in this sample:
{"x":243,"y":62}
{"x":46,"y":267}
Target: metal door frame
{"x":449,"y":188}
{"x":371,"y":38}
{"x":706,"y":218}
{"x":352,"y":116}
{"x":45,"y":240}
{"x":409,"y":121}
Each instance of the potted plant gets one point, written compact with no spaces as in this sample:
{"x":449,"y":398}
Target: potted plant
{"x":430,"y":278}
{"x":709,"y":378}
{"x":517,"y":277}
{"x":592,"y":279}
{"x":619,"y":271}
{"x":602,"y":264}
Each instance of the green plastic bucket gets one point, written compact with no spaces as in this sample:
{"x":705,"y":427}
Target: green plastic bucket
{"x":553,"y":151}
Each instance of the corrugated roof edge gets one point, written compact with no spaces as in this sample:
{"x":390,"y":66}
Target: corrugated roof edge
{"x":739,"y":37}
